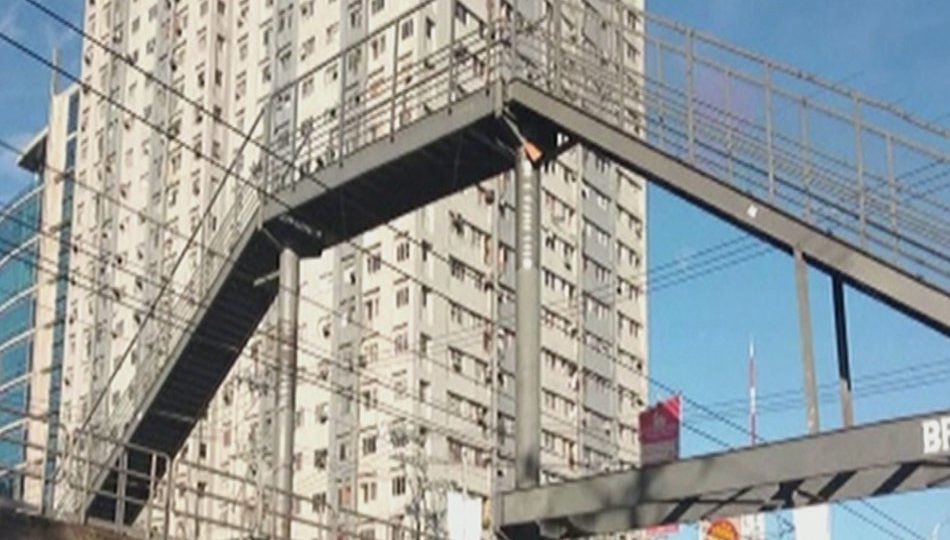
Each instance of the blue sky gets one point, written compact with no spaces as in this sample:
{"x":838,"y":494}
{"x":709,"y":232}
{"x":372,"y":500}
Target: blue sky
{"x":699,"y":331}
{"x":24,"y":85}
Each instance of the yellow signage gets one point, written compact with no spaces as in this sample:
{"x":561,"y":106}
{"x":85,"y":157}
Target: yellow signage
{"x":722,"y":529}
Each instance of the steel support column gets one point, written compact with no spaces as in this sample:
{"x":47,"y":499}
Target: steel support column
{"x":844,"y":363}
{"x":287,"y":300}
{"x":528,"y":325}
{"x":808,"y":354}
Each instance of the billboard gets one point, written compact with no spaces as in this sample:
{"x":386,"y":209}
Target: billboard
{"x":660,"y":432}
{"x":660,"y":443}
{"x":812,"y":523}
{"x":720,"y":529}
{"x":750,"y":527}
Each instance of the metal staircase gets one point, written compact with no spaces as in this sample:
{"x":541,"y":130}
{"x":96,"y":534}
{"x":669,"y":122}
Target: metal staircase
{"x":797,"y":161}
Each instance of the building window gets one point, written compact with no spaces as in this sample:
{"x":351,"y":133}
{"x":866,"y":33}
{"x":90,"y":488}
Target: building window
{"x":401,"y":341}
{"x":402,"y":251}
{"x":371,"y":306}
{"x":369,"y":445}
{"x":373,"y":263}
{"x":457,"y":360}
{"x":368,"y":490}
{"x":402,"y":297}
{"x":320,"y":459}
{"x":406,"y":29}
{"x":319,"y":502}
{"x":457,"y":268}
{"x":399,"y":485}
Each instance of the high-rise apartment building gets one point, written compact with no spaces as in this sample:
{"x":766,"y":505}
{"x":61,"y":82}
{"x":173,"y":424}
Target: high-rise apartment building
{"x":406,"y":333}
{"x":35,"y":248}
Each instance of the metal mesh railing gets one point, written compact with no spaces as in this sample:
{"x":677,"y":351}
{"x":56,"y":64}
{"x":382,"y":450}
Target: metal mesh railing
{"x":843,"y":162}
{"x":176,"y":498}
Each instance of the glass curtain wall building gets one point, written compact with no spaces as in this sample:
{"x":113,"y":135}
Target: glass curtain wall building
{"x":19,"y":221}
{"x":35,"y":248}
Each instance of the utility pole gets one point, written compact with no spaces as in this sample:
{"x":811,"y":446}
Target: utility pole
{"x":287,"y":301}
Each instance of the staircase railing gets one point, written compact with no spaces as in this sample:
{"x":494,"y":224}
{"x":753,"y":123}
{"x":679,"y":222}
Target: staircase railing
{"x":294,"y":148}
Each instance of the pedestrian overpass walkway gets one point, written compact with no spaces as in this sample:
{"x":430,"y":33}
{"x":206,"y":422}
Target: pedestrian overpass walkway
{"x":856,"y":185}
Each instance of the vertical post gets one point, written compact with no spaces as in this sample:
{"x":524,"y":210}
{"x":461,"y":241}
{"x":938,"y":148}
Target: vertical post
{"x":621,"y":65}
{"x":344,"y":57}
{"x":805,"y":155}
{"x":660,"y":94}
{"x":86,"y":492}
{"x":844,"y":363}
{"x":121,"y":483}
{"x":769,"y":151}
{"x":395,"y":81}
{"x":294,"y":128}
{"x":170,"y":473}
{"x":808,"y":357}
{"x":528,"y":327}
{"x":452,"y":51}
{"x":690,"y":97}
{"x":259,"y":481}
{"x":859,"y":170}
{"x":556,"y":48}
{"x":287,"y":299}
{"x":267,"y":183}
{"x":892,"y":193}
{"x":152,"y":475}
{"x":730,"y":127}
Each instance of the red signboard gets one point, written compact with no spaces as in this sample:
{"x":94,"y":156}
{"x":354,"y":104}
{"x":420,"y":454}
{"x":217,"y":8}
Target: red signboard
{"x":660,"y":432}
{"x":660,"y":443}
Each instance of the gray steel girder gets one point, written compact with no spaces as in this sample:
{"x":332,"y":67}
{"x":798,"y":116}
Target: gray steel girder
{"x":880,"y":279}
{"x":877,"y":459}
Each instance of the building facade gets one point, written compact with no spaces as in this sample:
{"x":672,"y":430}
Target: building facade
{"x":35,"y":246}
{"x":406,"y":338}
{"x":19,"y":221}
